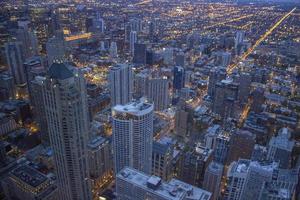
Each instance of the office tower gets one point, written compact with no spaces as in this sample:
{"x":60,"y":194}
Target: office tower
{"x":221,"y":148}
{"x":8,"y":86}
{"x":15,"y":58}
{"x":225,"y":97}
{"x":33,"y":67}
{"x":194,"y":164}
{"x":65,"y":102}
{"x":132,"y":184}
{"x":56,"y":50}
{"x":127,"y":32}
{"x":168,"y":56}
{"x":257,"y":175}
{"x":158,"y":93}
{"x":135,"y":25}
{"x":98,"y":24}
{"x":121,"y":84}
{"x":282,"y":186}
{"x":25,"y":182}
{"x":139,"y":56}
{"x":241,"y":146}
{"x":236,"y":177}
{"x":162,"y":155}
{"x":38,"y":108}
{"x":215,"y":76}
{"x":89,"y":24}
{"x":152,"y":30}
{"x":222,"y":59}
{"x":212,"y":179}
{"x":239,"y":39}
{"x":244,"y":87}
{"x":182,"y":122}
{"x":180,"y":59}
{"x":150,"y":57}
{"x":210,"y":136}
{"x":280,"y":148}
{"x":100,"y":161}
{"x":113,"y":50}
{"x":29,"y":41}
{"x":141,"y":84}
{"x":132,"y":136}
{"x":258,"y":99}
{"x":178,"y":79}
{"x":132,"y":41}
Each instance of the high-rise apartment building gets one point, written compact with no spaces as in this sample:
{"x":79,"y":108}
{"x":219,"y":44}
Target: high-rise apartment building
{"x":133,"y":135}
{"x":212,"y":179}
{"x":121,"y":84}
{"x":158,"y":93}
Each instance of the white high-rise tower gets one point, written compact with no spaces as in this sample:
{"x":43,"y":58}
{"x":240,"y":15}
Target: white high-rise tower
{"x":121,"y":84}
{"x":132,"y":41}
{"x":66,"y":106}
{"x":133,"y":135}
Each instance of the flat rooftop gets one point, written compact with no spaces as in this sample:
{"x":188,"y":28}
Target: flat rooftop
{"x":29,"y":175}
{"x":175,"y":189}
{"x":135,"y":108}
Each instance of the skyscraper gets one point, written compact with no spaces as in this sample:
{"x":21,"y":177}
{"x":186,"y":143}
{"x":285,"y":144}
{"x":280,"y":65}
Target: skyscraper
{"x":244,"y":87}
{"x":66,"y":106}
{"x":139,"y":56}
{"x":212,"y":179}
{"x":37,"y":103}
{"x":236,"y":177}
{"x":162,"y":164}
{"x":15,"y":58}
{"x":179,"y":76}
{"x":215,"y":75}
{"x":56,"y":51}
{"x":98,"y":24}
{"x":257,"y":175}
{"x":158,"y":93}
{"x":280,"y":148}
{"x":113,"y":50}
{"x":239,"y":39}
{"x":132,"y":41}
{"x":241,"y":146}
{"x":28,"y":40}
{"x":121,"y":84}
{"x":133,"y":135}
{"x":225,"y":97}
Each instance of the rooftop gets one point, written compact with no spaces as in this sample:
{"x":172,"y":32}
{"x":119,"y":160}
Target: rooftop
{"x":96,"y":142}
{"x":29,"y":175}
{"x":60,"y":71}
{"x":175,"y":189}
{"x":135,"y":108}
